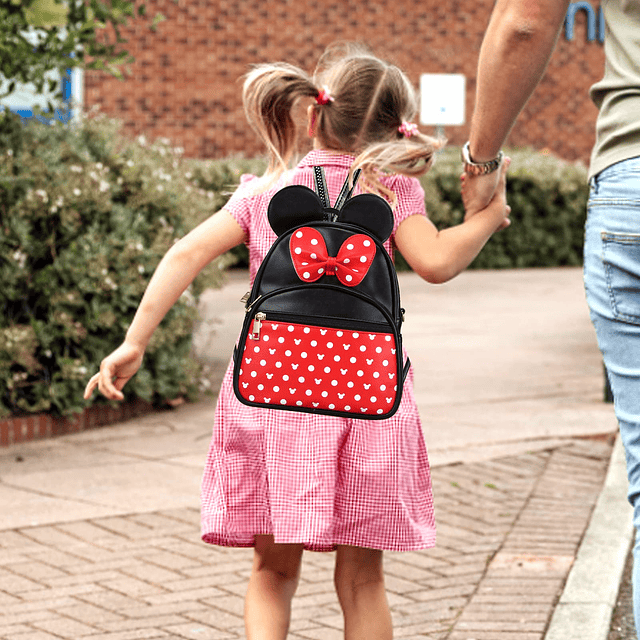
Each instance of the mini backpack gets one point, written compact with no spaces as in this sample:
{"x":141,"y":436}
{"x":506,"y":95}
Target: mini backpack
{"x":323,"y":318}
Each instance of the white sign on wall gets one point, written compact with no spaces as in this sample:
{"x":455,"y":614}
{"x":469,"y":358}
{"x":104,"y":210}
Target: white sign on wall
{"x":442,"y":99}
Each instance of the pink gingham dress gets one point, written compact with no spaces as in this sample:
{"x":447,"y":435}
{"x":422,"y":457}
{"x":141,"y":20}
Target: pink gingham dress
{"x":317,"y":480}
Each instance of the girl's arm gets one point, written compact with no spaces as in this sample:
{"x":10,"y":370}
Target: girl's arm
{"x":438,"y":256}
{"x":177,"y":269}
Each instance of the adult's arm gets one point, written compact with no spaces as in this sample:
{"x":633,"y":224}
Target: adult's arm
{"x":515,"y":51}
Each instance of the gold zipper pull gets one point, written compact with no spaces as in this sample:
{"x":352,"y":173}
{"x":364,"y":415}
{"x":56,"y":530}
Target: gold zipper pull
{"x":257,"y":325}
{"x":245,"y":297}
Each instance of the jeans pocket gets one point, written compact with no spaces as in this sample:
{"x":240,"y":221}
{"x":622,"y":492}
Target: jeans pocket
{"x":621,"y":258}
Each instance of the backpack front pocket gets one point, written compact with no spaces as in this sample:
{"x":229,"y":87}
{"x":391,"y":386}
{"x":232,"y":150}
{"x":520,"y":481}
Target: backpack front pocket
{"x":323,"y":369}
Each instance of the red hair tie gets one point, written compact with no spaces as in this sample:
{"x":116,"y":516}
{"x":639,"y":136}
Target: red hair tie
{"x":408,"y":129}
{"x":324,"y":97}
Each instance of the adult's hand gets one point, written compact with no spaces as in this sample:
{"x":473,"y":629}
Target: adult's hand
{"x":477,"y":191}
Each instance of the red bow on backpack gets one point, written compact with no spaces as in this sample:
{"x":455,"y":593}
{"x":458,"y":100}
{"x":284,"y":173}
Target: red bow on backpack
{"x":311,"y":259}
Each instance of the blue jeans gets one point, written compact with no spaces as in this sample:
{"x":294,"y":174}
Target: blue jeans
{"x":612,"y":282}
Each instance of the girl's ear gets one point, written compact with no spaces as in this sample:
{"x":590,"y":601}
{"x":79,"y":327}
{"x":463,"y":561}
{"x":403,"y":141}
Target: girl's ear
{"x":293,"y":206}
{"x":371,"y":212}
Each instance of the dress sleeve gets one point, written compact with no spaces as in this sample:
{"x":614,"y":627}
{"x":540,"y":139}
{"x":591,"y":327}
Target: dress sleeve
{"x":239,"y":204}
{"x":410,"y":196}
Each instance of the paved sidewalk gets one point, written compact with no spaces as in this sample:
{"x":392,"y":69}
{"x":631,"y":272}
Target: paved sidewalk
{"x":99,"y":531}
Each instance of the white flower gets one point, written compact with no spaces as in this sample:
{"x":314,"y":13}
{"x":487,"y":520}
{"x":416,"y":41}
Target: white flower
{"x":99,"y":165}
{"x":9,"y":152}
{"x":77,"y":192}
{"x":160,"y":187}
{"x":41,"y":193}
{"x":139,"y":246}
{"x":75,"y":168}
{"x":20,"y":257}
{"x":140,"y":269}
{"x":104,"y":186}
{"x":142,"y":140}
{"x":129,"y":163}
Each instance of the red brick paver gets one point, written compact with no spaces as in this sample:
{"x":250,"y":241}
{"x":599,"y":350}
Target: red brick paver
{"x":508,"y":532}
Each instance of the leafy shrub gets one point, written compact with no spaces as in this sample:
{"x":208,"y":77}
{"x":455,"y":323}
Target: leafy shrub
{"x":548,"y":198}
{"x":85,"y":216}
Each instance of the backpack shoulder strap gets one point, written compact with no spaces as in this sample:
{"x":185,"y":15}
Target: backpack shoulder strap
{"x":321,"y":186}
{"x":347,"y":190}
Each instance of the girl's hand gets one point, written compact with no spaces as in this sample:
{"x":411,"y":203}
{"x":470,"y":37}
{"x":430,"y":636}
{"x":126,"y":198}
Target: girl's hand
{"x":479,"y":191}
{"x":115,"y":371}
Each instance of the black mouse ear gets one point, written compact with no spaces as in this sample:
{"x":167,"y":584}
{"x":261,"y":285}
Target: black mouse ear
{"x":371,"y":212}
{"x":292,"y":206}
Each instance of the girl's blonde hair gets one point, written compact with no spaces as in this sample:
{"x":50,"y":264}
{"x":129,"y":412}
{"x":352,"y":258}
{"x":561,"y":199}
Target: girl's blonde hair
{"x":371,"y":99}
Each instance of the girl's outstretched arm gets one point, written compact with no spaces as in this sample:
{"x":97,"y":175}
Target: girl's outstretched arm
{"x":177,"y":269}
{"x":438,"y":256}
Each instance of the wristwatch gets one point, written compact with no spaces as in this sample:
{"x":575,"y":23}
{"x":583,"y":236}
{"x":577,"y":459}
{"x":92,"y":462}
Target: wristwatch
{"x":479,"y":168}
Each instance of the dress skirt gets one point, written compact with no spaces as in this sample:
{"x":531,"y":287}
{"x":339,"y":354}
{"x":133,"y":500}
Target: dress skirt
{"x":321,"y":481}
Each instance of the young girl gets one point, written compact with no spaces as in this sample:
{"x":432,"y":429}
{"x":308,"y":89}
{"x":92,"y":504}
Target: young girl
{"x":280,"y":481}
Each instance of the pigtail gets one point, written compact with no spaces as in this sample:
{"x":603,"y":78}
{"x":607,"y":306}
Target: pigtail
{"x":410,"y":156}
{"x":269,"y":94}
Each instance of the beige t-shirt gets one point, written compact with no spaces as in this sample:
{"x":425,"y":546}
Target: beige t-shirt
{"x":617,"y":95}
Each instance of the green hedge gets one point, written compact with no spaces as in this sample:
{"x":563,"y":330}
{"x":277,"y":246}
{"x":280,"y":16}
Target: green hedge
{"x":85,"y":216}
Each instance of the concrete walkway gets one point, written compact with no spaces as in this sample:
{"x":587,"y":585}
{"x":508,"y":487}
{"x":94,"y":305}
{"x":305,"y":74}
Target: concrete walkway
{"x":99,"y":531}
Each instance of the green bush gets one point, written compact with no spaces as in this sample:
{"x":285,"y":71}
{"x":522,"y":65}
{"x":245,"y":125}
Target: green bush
{"x":548,"y":198}
{"x":85,"y":216}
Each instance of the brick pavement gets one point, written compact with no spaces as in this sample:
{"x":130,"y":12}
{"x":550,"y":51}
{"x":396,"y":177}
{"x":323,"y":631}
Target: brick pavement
{"x":508,"y":532}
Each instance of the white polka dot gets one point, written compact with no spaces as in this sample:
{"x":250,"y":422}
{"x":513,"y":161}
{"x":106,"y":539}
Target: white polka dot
{"x":336,"y":358}
{"x":363,"y":259}
{"x":367,"y":243}
{"x":285,"y":377}
{"x":253,"y":374}
{"x":376,"y":374}
{"x":278,"y":365}
{"x":355,"y":335}
{"x":260,"y":387}
{"x":329,"y":345}
{"x":280,"y":340}
{"x":307,"y":330}
{"x":291,"y":328}
{"x":252,"y":398}
{"x":314,"y":343}
{"x":347,"y":408}
{"x":327,"y":369}
{"x":332,"y":406}
{"x":303,"y":354}
{"x":357,"y":397}
{"x":348,"y":278}
{"x":350,"y":247}
{"x":320,"y":271}
{"x":346,"y":260}
{"x":360,"y":373}
{"x":265,"y":338}
{"x":298,"y":250}
{"x":334,"y":383}
{"x":314,"y":241}
{"x":263,"y":363}
{"x":311,"y":367}
{"x":385,"y":362}
{"x":352,"y":360}
{"x":283,"y":402}
{"x":383,"y":387}
{"x":339,"y":334}
{"x":299,"y":234}
{"x":350,"y":384}
{"x":373,"y":399}
{"x":378,"y":349}
{"x":314,"y":256}
{"x":387,"y":338}
{"x":256,"y":349}
{"x":301,"y":379}
{"x":287,"y":353}
{"x":306,"y":275}
{"x":308,"y":392}
{"x":276,"y":389}
{"x":325,"y":394}
{"x":363,"y":348}
{"x":299,"y":403}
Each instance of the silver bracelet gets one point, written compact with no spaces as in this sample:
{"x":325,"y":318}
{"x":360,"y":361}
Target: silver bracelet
{"x":479,"y":168}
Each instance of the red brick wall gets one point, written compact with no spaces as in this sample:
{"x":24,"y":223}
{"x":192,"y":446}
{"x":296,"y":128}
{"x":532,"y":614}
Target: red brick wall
{"x":185,"y":83}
